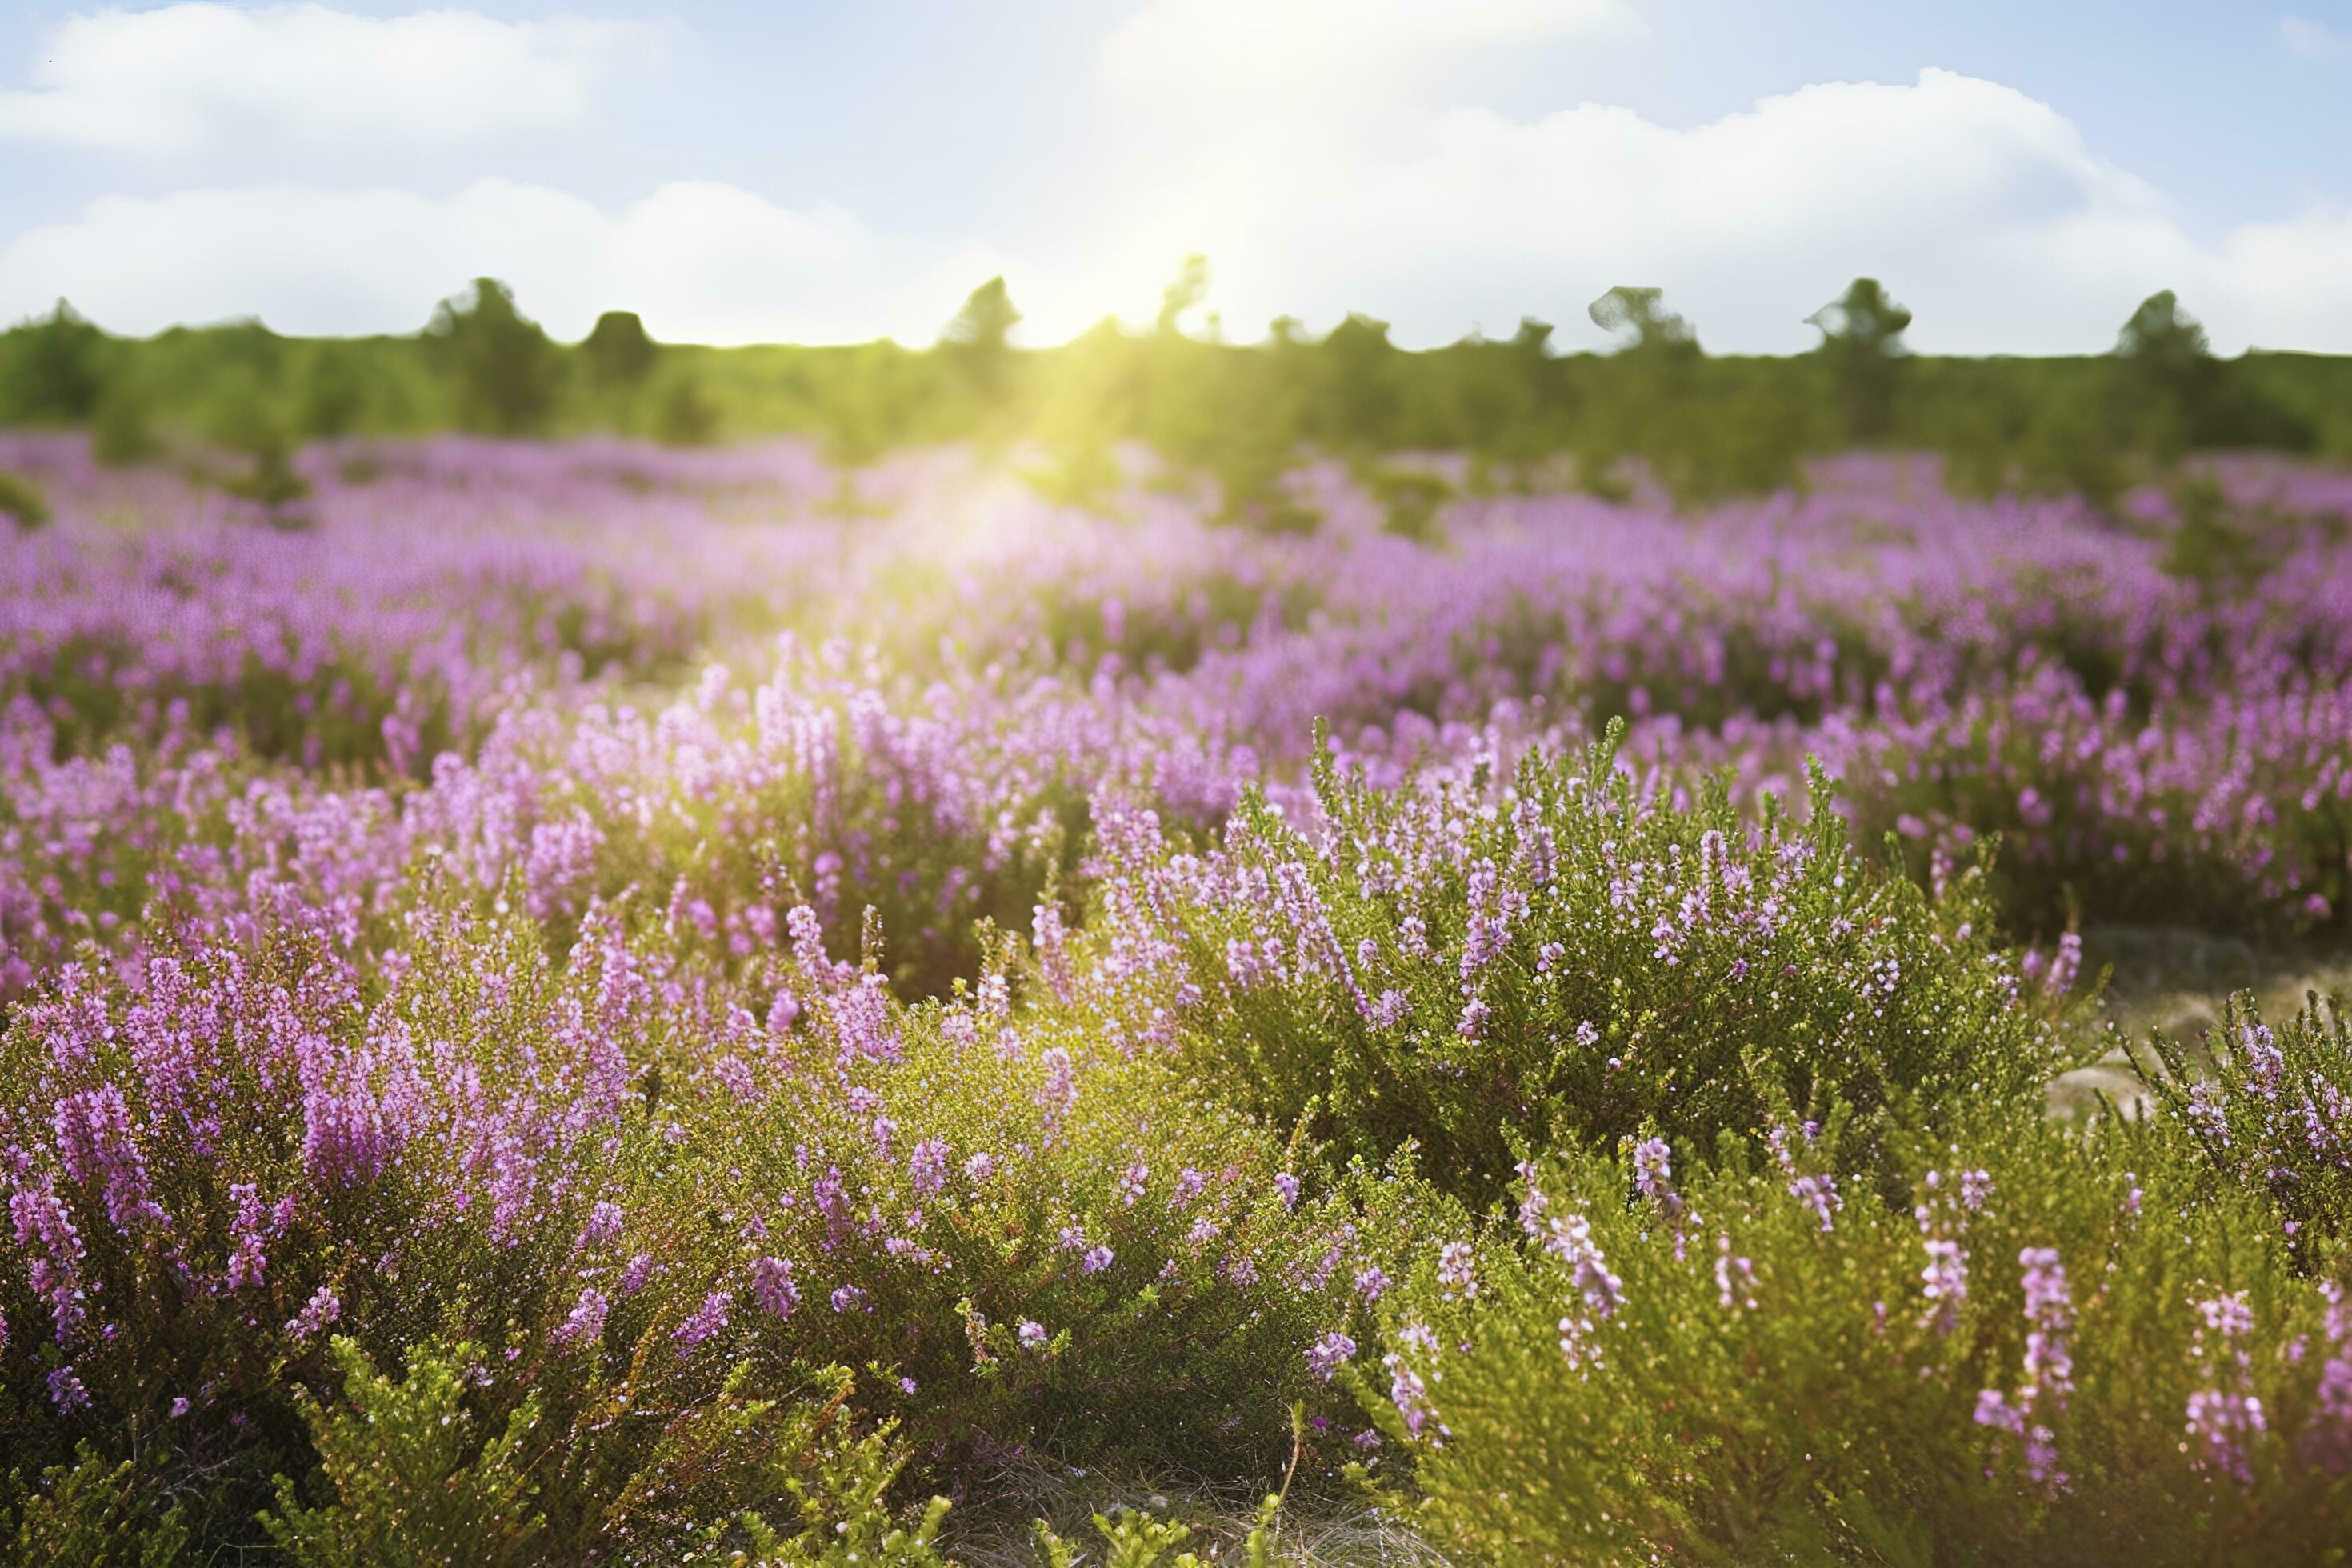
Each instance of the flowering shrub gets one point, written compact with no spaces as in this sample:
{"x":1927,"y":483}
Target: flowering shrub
{"x":1015,"y":1229}
{"x":624,"y":1188}
{"x":2272,"y":1112}
{"x":1569,"y":962}
{"x":1757,"y":1356}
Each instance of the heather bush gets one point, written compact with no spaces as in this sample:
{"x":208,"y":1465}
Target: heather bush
{"x":2050,"y":1346}
{"x":412,"y":1483}
{"x":2270,"y":1112}
{"x":409,"y":1477}
{"x":94,"y":1512}
{"x":815,"y":786}
{"x":1033,"y":1238}
{"x":209,"y":1173}
{"x":2237,"y":818}
{"x":629,"y":1182}
{"x":1564,"y":963}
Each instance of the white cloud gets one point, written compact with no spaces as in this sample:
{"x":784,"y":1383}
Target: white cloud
{"x":702,"y":262}
{"x":1980,"y":207}
{"x":191,"y":78}
{"x":1298,"y":49}
{"x":2312,"y":40}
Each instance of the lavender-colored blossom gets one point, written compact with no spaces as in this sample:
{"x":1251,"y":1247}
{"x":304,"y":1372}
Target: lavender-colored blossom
{"x":1329,"y":1353}
{"x":926,"y":1167}
{"x":773,"y":1288}
{"x":1457,"y":1269}
{"x":323,"y":1308}
{"x":584,"y":1324}
{"x":705,"y":1321}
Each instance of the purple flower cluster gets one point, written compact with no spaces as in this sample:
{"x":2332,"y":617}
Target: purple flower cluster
{"x":2049,"y":1369}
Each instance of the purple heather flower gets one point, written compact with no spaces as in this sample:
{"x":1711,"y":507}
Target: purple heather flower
{"x":926,"y":1167}
{"x":65,"y":1391}
{"x":585,"y":1323}
{"x":706,"y":1321}
{"x":1328,"y":1354}
{"x":322,"y":1309}
{"x":1457,"y":1269}
{"x":773,"y":1288}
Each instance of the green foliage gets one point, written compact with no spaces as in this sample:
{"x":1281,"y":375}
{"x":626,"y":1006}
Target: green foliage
{"x":1409,"y":499}
{"x":412,"y":1485}
{"x":2169,"y":373}
{"x":1134,"y":1538}
{"x":21,"y":502}
{"x":1359,"y":400}
{"x":684,"y":416}
{"x":334,"y":396}
{"x":504,"y":367}
{"x":1183,"y":294}
{"x":248,"y":420}
{"x":1751,"y":1368}
{"x":2206,"y":547}
{"x":121,"y":426}
{"x":1172,"y":1353}
{"x":619,"y":351}
{"x":55,"y":369}
{"x":1695,"y":432}
{"x":1131,"y":1539}
{"x":1862,"y":347}
{"x":839,"y":1486}
{"x":91,"y":1512}
{"x":1640,"y":314}
{"x":976,"y":340}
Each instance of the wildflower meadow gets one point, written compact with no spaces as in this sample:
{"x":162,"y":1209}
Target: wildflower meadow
{"x":596,"y":1003}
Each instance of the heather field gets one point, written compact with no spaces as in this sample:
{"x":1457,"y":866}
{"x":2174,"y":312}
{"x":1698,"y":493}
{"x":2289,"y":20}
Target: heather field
{"x":589,"y":1002}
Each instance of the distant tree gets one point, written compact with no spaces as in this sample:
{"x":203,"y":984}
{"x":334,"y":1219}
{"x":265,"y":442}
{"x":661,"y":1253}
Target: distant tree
{"x":1861,"y":345}
{"x":55,"y":369}
{"x":978,"y":337}
{"x":334,"y":393}
{"x":504,"y":364}
{"x":620,"y":352}
{"x":1641,"y":312}
{"x":1188,"y":288}
{"x":1360,"y":392}
{"x":2171,"y":379}
{"x":2161,"y":335}
{"x":987,"y":318}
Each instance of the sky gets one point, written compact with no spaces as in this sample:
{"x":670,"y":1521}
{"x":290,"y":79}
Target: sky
{"x":2019,"y":175}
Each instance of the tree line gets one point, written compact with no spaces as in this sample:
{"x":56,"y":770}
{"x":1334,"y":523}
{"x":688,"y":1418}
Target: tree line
{"x":1704,"y":425}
